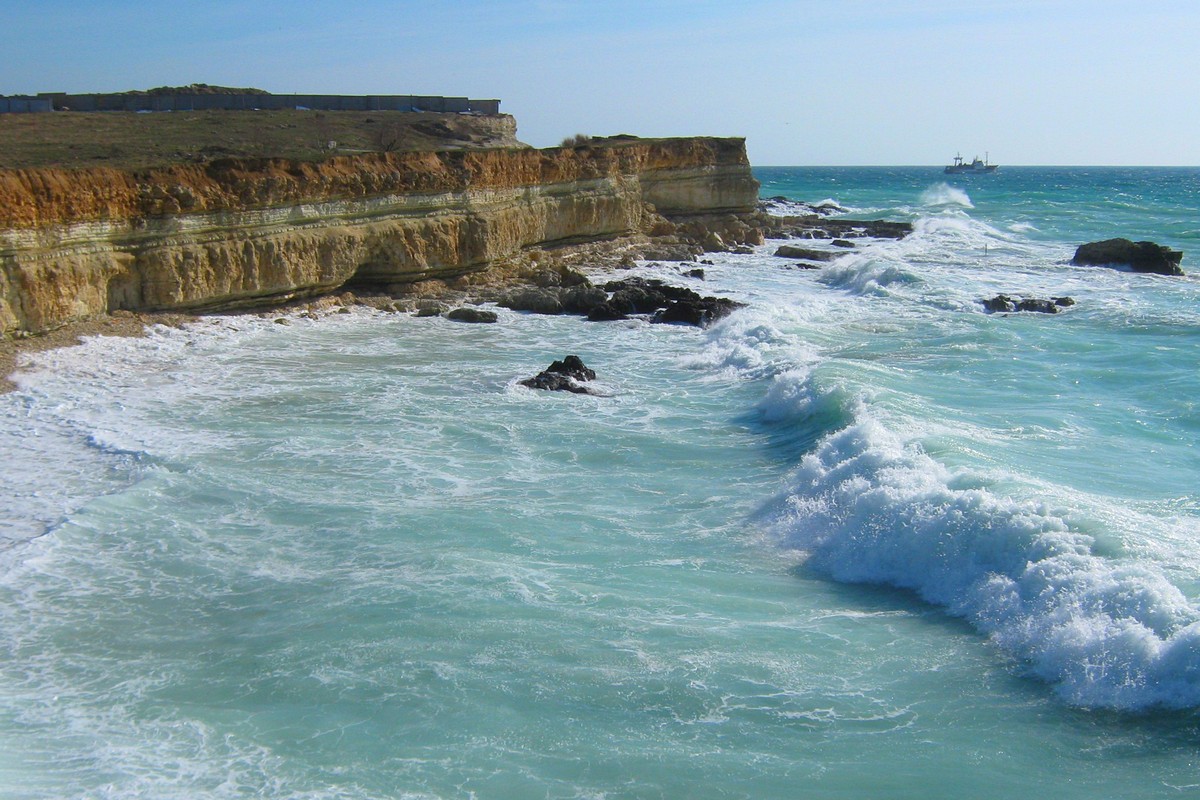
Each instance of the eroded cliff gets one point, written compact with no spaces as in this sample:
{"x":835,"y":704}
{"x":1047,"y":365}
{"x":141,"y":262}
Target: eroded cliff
{"x":234,"y":233}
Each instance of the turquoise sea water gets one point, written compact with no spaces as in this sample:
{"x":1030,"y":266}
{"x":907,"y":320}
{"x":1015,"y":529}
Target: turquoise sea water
{"x":860,"y":539}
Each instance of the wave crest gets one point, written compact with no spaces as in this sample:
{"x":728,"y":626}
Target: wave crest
{"x":866,"y":507}
{"x":943,"y":195}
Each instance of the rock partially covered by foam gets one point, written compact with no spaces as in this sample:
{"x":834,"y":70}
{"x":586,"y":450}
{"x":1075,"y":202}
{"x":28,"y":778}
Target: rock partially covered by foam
{"x":667,"y":303}
{"x":566,"y":375}
{"x":1002,"y":303}
{"x":1138,"y":256}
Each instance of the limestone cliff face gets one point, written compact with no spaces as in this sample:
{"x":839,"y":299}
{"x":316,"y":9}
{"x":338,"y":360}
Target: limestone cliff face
{"x":228,"y":234}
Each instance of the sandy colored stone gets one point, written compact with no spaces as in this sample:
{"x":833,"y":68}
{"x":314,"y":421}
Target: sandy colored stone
{"x":78,"y":244}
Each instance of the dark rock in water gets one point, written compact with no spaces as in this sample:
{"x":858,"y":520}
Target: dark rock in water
{"x":467,"y":314}
{"x":537,"y":301}
{"x":563,"y":376}
{"x":1038,"y":305}
{"x":815,"y":209}
{"x":700,"y":312}
{"x":637,"y":300}
{"x":606,"y":312}
{"x":583,"y":298}
{"x":1002,"y":303}
{"x":791,"y":251}
{"x":653,"y":285}
{"x":668,"y":303}
{"x":644,"y":295}
{"x":999,"y":304}
{"x":1138,"y":256}
{"x":696,"y":273}
{"x":814,"y":227}
{"x":842,"y":243}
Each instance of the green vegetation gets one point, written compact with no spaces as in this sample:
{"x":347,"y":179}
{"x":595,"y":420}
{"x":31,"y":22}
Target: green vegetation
{"x":144,"y":140}
{"x":578,"y":140}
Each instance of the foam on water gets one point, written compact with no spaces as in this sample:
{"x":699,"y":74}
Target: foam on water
{"x":943,"y":195}
{"x":351,"y":557}
{"x":1019,"y":558}
{"x":867,"y":507}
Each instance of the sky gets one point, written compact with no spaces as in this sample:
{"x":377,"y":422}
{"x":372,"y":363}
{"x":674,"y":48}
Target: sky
{"x":807,"y":82}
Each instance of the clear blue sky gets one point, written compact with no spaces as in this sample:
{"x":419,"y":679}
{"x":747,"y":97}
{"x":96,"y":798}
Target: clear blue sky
{"x":807,"y":82}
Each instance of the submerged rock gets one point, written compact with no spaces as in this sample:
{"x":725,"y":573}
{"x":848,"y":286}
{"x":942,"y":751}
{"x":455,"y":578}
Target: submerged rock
{"x":563,"y":376}
{"x":1138,"y":256}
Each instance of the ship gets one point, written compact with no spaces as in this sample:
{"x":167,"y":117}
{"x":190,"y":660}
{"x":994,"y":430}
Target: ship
{"x":961,"y":167}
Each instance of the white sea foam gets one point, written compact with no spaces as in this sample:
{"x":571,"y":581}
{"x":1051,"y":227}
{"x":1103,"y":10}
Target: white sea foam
{"x":942,"y":195}
{"x":867,"y":507}
{"x":872,"y":273}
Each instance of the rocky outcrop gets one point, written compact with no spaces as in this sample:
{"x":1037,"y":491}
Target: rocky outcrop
{"x":1138,"y":256}
{"x":812,"y":226}
{"x":241,"y":233}
{"x":665,"y":303}
{"x":808,"y":254}
{"x":469,"y":314}
{"x":567,"y":375}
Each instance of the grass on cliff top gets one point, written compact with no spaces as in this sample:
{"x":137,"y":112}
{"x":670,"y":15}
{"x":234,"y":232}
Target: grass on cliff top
{"x":125,"y":140}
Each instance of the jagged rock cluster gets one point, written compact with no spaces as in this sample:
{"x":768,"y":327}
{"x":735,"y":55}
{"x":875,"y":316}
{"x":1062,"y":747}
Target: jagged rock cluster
{"x":567,"y":375}
{"x":616,"y":300}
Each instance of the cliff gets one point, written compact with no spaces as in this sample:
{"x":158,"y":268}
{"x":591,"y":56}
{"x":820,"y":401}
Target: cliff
{"x":75,"y":244}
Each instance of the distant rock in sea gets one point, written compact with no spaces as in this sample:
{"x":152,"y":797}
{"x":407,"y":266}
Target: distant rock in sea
{"x":1138,"y":256}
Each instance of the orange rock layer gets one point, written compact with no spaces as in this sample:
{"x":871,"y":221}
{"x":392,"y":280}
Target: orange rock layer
{"x":229,"y":233}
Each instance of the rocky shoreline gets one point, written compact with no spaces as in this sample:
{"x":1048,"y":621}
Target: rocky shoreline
{"x":544,"y":281}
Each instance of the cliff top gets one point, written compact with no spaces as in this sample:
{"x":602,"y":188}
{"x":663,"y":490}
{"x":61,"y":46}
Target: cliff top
{"x":195,"y":88}
{"x":133,"y":141}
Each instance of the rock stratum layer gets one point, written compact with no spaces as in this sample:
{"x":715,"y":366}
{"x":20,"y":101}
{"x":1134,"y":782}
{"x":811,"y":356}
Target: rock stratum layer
{"x":229,"y":234}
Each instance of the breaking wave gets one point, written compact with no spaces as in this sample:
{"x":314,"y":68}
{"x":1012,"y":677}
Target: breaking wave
{"x":865,"y":506}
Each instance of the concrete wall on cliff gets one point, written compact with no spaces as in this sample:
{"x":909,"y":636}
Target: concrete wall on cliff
{"x":228,"y":234}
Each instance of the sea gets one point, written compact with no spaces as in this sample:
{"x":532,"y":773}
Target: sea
{"x":859,"y":539}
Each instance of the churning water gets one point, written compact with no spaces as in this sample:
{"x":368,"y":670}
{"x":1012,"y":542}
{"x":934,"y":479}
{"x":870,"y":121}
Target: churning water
{"x":858,"y":539}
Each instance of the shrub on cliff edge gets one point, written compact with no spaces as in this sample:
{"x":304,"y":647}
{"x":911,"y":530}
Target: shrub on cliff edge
{"x":577,"y":140}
